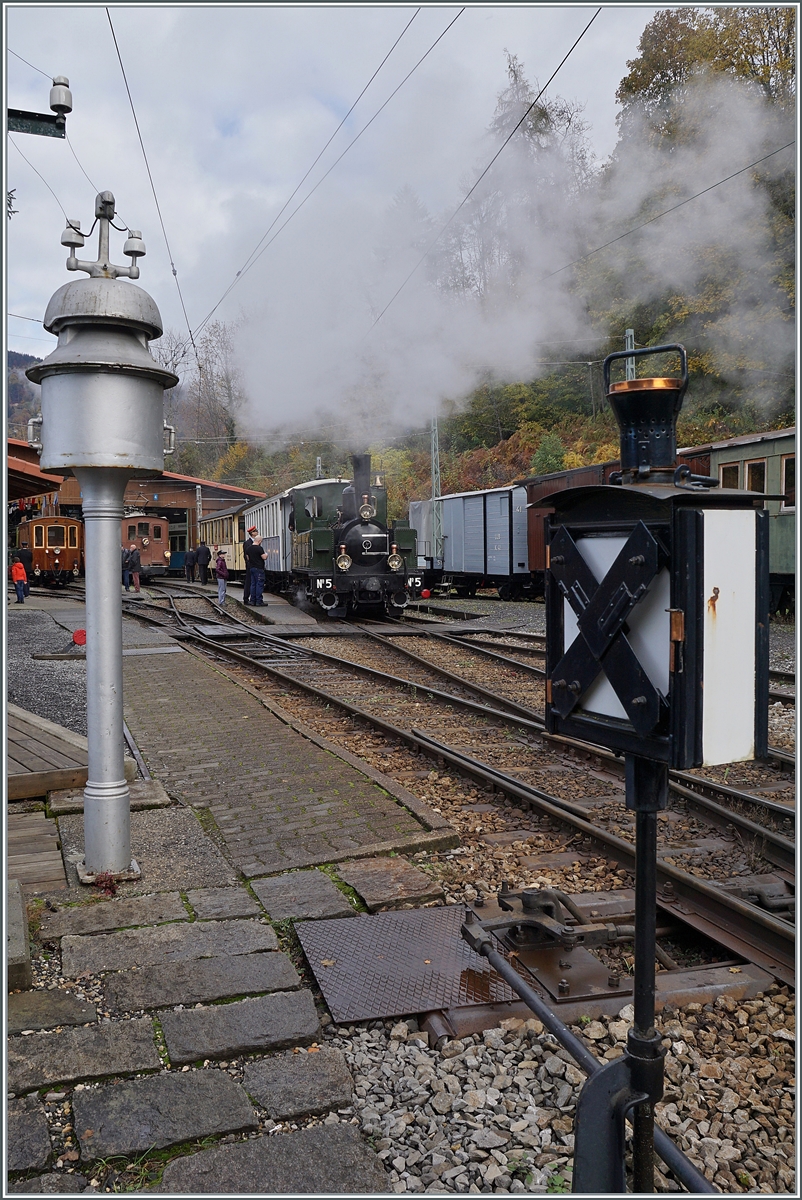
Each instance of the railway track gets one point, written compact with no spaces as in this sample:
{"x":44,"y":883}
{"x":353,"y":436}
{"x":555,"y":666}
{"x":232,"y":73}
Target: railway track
{"x":487,"y":736}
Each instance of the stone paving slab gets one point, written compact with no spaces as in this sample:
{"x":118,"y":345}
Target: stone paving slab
{"x":46,"y":1010}
{"x":84,"y":1053}
{"x":51,"y":1184}
{"x":28,"y":1142}
{"x":300,"y":1085}
{"x":18,"y":947}
{"x":295,"y":804}
{"x":163,"y":944}
{"x":302,"y":895}
{"x":218,"y":904}
{"x":170,"y":845}
{"x":386,"y":882}
{"x":165,"y":1110}
{"x":329,"y":1160}
{"x":226,"y":1030}
{"x":200,"y":980}
{"x":145,"y":793}
{"x":108,"y":915}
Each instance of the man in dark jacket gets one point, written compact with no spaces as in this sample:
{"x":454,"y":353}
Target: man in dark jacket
{"x":189,"y":564}
{"x":134,"y":566}
{"x":256,"y":556}
{"x":124,"y":556}
{"x":25,"y":555}
{"x":204,"y":557}
{"x":246,"y":587}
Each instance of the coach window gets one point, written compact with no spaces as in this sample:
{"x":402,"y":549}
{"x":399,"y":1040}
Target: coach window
{"x":72,"y":537}
{"x":789,"y":482}
{"x":142,"y":529}
{"x":756,"y":476}
{"x":730,"y":475}
{"x":55,"y":535}
{"x":131,"y":532}
{"x":157,"y":533}
{"x":38,"y":535}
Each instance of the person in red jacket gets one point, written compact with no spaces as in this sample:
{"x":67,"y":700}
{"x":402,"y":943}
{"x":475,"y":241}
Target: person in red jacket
{"x":19,"y":579}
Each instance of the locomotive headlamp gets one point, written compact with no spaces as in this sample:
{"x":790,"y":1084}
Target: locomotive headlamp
{"x":343,"y":562}
{"x":367,"y":512}
{"x":395,"y":562}
{"x":167,"y":554}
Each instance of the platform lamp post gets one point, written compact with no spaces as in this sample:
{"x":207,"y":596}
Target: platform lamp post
{"x":657,"y":648}
{"x":102,"y":419}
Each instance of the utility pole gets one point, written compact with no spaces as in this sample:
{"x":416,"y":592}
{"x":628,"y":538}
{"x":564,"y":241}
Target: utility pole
{"x":103,"y":417}
{"x":437,"y":515}
{"x":629,"y":344}
{"x":318,"y":467}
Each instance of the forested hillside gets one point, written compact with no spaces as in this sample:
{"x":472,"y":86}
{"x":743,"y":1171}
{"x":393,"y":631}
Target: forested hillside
{"x":685,"y":235}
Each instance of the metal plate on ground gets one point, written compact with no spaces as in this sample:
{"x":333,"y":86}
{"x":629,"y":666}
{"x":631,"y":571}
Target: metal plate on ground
{"x":586,"y":978}
{"x":223,"y":632}
{"x":397,"y":963}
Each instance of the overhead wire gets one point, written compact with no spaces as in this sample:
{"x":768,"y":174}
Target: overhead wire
{"x":325,"y":148}
{"x":153,"y":187}
{"x":470,"y":192}
{"x":666,"y":211}
{"x":309,"y":195}
{"x":41,"y":176}
{"x":28,"y":64}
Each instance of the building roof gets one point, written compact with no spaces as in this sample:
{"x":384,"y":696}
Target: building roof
{"x":25,"y":476}
{"x":250,"y":493}
{"x":225,"y":512}
{"x":744,"y":439}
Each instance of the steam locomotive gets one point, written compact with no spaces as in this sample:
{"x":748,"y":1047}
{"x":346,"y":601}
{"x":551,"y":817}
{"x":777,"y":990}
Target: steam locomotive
{"x":331,"y":538}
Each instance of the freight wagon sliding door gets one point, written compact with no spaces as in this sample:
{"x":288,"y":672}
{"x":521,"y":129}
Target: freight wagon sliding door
{"x":520,"y":554}
{"x":474,"y":516}
{"x":453,"y":534}
{"x":497,"y":512}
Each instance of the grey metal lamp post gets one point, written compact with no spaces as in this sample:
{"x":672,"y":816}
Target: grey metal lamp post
{"x":102,"y":418}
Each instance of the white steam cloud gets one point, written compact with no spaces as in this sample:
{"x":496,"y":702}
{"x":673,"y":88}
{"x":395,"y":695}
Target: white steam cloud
{"x":311,"y":356}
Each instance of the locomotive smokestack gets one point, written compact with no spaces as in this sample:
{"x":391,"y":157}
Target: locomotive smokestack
{"x":361,"y":464}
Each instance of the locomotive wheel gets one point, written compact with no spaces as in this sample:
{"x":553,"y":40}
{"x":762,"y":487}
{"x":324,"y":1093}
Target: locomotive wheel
{"x":505,"y":591}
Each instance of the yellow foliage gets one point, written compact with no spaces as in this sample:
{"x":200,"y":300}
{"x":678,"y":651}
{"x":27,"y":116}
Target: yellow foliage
{"x":606,"y":452}
{"x":572,"y":459}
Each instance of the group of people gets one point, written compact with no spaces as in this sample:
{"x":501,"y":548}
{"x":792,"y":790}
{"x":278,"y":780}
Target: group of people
{"x":255,"y":558}
{"x":132,"y":565}
{"x":199,"y":558}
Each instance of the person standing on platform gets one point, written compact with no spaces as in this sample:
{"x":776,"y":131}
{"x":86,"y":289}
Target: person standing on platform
{"x":25,"y":555}
{"x":189,"y":564}
{"x":221,"y":572}
{"x":257,"y":557}
{"x":124,"y":555}
{"x":134,"y":566}
{"x":19,"y":579}
{"x":246,"y":587}
{"x":204,"y":557}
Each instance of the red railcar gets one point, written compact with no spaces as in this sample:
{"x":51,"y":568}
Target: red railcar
{"x":57,"y":546}
{"x":151,"y":536}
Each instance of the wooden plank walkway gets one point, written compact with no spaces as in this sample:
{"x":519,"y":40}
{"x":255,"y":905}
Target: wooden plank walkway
{"x":42,"y":756}
{"x":34,"y":857}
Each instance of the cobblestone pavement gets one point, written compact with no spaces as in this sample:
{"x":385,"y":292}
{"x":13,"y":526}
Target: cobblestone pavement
{"x":279,"y":800}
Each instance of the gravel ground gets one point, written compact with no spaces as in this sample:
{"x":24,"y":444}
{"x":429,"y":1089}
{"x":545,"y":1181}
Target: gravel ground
{"x":51,"y":689}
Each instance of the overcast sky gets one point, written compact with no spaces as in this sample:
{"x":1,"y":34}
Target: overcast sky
{"x":234,"y":103}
